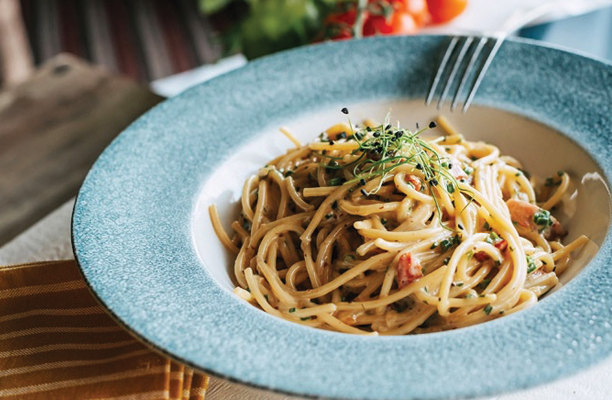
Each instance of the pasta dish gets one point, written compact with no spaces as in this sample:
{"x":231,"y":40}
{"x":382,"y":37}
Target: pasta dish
{"x":373,"y":229}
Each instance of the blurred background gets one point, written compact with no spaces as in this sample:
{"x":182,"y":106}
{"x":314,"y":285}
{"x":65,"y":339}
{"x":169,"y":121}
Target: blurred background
{"x":147,"y":40}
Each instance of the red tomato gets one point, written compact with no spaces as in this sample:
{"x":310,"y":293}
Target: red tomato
{"x":404,"y":24}
{"x":400,"y":23}
{"x":416,"y":8}
{"x":341,"y":24}
{"x":444,"y":10}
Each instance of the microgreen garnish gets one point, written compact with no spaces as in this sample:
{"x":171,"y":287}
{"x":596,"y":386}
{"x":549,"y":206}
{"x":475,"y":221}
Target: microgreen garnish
{"x":386,"y":147}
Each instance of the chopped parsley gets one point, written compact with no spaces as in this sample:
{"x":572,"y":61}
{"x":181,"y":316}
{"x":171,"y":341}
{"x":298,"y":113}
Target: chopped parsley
{"x":531,"y":265}
{"x":543,"y":219}
{"x":493,"y":238}
{"x":487,"y":310}
{"x":483,"y":285}
{"x":446,"y":244}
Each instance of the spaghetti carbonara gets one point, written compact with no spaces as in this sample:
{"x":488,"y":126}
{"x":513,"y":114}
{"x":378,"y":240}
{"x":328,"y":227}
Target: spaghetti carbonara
{"x":376,"y":230}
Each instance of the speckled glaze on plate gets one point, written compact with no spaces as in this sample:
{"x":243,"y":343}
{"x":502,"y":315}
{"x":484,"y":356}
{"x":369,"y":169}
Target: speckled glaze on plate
{"x":132,"y":236}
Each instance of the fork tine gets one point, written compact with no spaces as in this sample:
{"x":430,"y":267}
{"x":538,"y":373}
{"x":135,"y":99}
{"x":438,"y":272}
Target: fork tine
{"x":468,"y":71}
{"x":445,"y":58}
{"x":483,"y":71}
{"x":451,"y":77}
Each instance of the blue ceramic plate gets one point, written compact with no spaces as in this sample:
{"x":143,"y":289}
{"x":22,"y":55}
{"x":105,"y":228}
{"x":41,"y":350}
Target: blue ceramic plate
{"x":140,"y":238}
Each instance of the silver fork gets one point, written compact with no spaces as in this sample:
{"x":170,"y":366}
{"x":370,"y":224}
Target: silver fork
{"x":458,"y":53}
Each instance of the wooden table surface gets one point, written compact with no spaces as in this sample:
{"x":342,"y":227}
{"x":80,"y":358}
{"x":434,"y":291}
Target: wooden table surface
{"x":52,"y":128}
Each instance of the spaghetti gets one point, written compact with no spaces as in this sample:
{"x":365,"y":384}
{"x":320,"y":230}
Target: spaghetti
{"x":379,"y":231}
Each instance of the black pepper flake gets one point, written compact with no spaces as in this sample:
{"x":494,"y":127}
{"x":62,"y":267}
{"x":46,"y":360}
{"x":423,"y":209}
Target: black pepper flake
{"x":362,"y":182}
{"x":368,"y":129}
{"x":344,"y":110}
{"x":363,"y":192}
{"x":432,"y":125}
{"x":419,"y":167}
{"x":331,"y":142}
{"x":387,"y":127}
{"x":376,"y":134}
{"x":433,"y":182}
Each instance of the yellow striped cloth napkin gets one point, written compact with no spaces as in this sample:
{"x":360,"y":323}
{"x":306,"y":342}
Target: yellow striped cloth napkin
{"x":57,"y":342}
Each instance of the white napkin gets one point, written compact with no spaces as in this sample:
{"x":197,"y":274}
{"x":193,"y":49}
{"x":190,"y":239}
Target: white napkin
{"x":489,"y":15}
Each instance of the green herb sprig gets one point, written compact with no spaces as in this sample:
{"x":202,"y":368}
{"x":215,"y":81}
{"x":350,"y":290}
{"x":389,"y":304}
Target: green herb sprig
{"x":386,"y":147}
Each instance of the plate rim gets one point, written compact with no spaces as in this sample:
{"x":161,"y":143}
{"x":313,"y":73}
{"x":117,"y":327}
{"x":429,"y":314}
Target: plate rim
{"x":228,"y":75}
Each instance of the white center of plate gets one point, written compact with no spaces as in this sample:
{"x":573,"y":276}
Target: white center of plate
{"x":540,"y":149}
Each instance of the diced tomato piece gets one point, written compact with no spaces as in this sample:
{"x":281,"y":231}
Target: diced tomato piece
{"x":408,"y":270}
{"x":481,"y":256}
{"x":502,"y":245}
{"x":415,"y":181}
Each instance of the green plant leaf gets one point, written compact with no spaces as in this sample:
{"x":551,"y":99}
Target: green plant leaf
{"x":213,"y":6}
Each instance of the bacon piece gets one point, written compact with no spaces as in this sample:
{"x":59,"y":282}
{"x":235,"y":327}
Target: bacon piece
{"x":501,"y":245}
{"x":415,"y":181}
{"x":522,"y":213}
{"x":555,"y":231}
{"x":408,"y":269}
{"x":458,"y":173}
